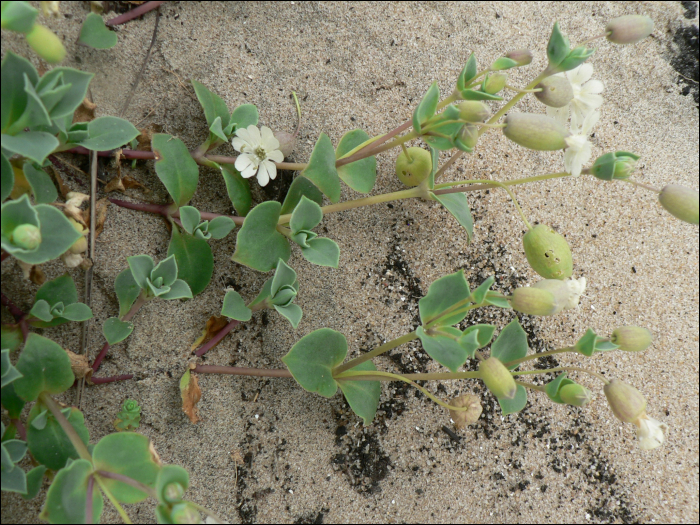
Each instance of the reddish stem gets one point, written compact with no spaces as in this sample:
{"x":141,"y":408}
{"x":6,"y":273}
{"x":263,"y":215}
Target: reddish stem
{"x":126,"y":153}
{"x":111,"y":379}
{"x":134,"y":13}
{"x":20,"y":428}
{"x":16,"y":312}
{"x":4,"y":255}
{"x":142,"y":206}
{"x":127,"y":317}
{"x":98,"y":360}
{"x":217,"y":338}
{"x":238,"y":371}
{"x":88,"y":500}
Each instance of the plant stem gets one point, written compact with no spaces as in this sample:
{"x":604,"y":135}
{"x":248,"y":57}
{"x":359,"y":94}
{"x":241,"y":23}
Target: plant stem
{"x":129,"y":481}
{"x":122,"y":513}
{"x":563,"y":368}
{"x":88,"y":500}
{"x":540,"y":354}
{"x":641,"y":185}
{"x":492,"y":184}
{"x":131,"y":313}
{"x":217,"y":338}
{"x":133,"y":13}
{"x":20,"y":428}
{"x":374,"y":353}
{"x":531,"y":386}
{"x":73,"y":436}
{"x":101,"y":380}
{"x":14,"y":311}
{"x":240,"y":371}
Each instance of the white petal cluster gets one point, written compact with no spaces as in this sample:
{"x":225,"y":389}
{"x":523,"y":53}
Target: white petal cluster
{"x":575,"y":288}
{"x":259,"y":150}
{"x":650,"y":432}
{"x":587,"y":96}
{"x":579,"y":149}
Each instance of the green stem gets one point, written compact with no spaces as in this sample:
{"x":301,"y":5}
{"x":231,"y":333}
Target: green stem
{"x":457,"y":307}
{"x":515,"y":182}
{"x":124,"y":516}
{"x":518,"y":90}
{"x":129,"y":481}
{"x":398,"y":141}
{"x":561,"y":369}
{"x":73,"y":436}
{"x":405,"y":151}
{"x":512,"y":102}
{"x":374,"y":353}
{"x":532,"y":386}
{"x":530,"y":357}
{"x":641,"y":185}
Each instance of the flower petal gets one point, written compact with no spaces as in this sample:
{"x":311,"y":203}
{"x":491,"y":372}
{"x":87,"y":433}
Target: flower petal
{"x":269,"y":142}
{"x":263,"y":177}
{"x":275,"y":156}
{"x":243,"y":162}
{"x":255,"y":140}
{"x":593,"y":87}
{"x":271,"y":168}
{"x":244,"y":135}
{"x":580,"y":74}
{"x":238,"y":143}
{"x":650,"y":432}
{"x":561,"y":115}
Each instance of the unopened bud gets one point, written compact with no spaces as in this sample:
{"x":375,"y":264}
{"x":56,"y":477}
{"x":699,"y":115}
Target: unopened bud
{"x":548,"y":253}
{"x":631,"y":338}
{"x":287,"y":142}
{"x":46,"y":44}
{"x":473,"y":111}
{"x":493,"y":83}
{"x":618,"y":165}
{"x":185,"y":513}
{"x":629,"y":29}
{"x":173,"y":492}
{"x":521,"y":56}
{"x":467,"y":138}
{"x":463,"y":418}
{"x":497,"y":378}
{"x":414,"y":167}
{"x":556,"y":91}
{"x":575,"y":394}
{"x":534,"y":301}
{"x":681,"y":202}
{"x":626,"y":402}
{"x":537,"y":132}
{"x":26,"y":236}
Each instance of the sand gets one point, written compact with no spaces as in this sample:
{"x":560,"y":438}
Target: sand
{"x":266,"y":450}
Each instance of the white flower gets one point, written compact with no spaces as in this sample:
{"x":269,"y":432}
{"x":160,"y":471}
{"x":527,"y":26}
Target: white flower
{"x":575,"y":287}
{"x":259,"y":151}
{"x":650,"y":432}
{"x":586,"y":97}
{"x":579,"y":150}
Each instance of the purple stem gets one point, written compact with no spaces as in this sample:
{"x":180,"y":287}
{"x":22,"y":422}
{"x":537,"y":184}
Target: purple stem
{"x":129,"y":481}
{"x":218,"y":337}
{"x":238,"y":371}
{"x":111,"y":379}
{"x":98,"y":360}
{"x":126,"y":153}
{"x":142,"y":206}
{"x":16,"y":312}
{"x":134,"y":13}
{"x":88,"y":500}
{"x":20,"y":428}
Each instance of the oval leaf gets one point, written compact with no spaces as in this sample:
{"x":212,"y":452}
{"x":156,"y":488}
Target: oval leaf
{"x":457,"y":205}
{"x":510,"y":406}
{"x":259,"y":245}
{"x":50,"y":445}
{"x":442,"y":295}
{"x":35,"y":145}
{"x":115,"y":331}
{"x":445,"y":349}
{"x":511,"y":344}
{"x":67,"y":495}
{"x":107,"y":133}
{"x":301,"y":186}
{"x":195,"y":262}
{"x":234,"y":307}
{"x":362,"y":396}
{"x":45,"y":367}
{"x":175,"y":167}
{"x":321,"y":169}
{"x":361,"y":174}
{"x":426,"y":107}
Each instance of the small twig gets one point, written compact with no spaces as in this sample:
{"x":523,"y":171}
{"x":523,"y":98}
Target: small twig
{"x":145,"y":60}
{"x":134,"y":13}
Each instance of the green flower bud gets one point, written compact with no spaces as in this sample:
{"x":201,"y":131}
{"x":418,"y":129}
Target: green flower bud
{"x":534,"y":301}
{"x":173,"y":492}
{"x":463,"y":418}
{"x":26,"y":236}
{"x":626,"y":402}
{"x":629,"y":29}
{"x":548,"y":253}
{"x":497,"y":378}
{"x":46,"y":44}
{"x":473,"y":111}
{"x":681,"y":202}
{"x":537,"y":132}
{"x":521,"y":56}
{"x":575,"y":394}
{"x":493,"y":83}
{"x":287,"y":142}
{"x":556,"y":91}
{"x":414,"y":168}
{"x":467,"y":138}
{"x":185,"y":513}
{"x":631,"y":338}
{"x":617,"y":165}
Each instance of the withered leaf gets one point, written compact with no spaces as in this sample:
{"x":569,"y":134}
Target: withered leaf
{"x":100,"y":215}
{"x":214,"y":325}
{"x":191,"y":394}
{"x":80,"y":366}
{"x":85,"y":112}
{"x":37,"y":276}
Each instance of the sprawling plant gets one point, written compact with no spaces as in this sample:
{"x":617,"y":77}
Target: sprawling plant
{"x":39,"y":120}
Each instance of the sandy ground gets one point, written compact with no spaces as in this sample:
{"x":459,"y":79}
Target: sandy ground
{"x":307,"y":459}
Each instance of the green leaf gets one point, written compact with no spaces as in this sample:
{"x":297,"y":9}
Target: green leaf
{"x":42,"y":310}
{"x":35,"y":115}
{"x":42,"y":186}
{"x":244,"y":115}
{"x":456,"y":204}
{"x":141,"y":267}
{"x":445,"y":349}
{"x":575,"y":58}
{"x":169,"y":475}
{"x":586,"y":345}
{"x":312,"y":359}
{"x":67,"y":495}
{"x":14,"y":214}
{"x":57,"y":235}
{"x":557,"y":47}
{"x":479,"y":294}
{"x":361,"y":174}
{"x":510,"y":406}
{"x":511,"y":344}
{"x":435,"y":156}
{"x":554,"y":387}
{"x":284,"y":276}
{"x":50,"y":445}
{"x":322,"y":251}
{"x":234,"y":307}
{"x":14,"y":98}
{"x":128,"y":454}
{"x":238,"y":189}
{"x":72,"y":98}
{"x":301,"y":187}
{"x":127,"y":290}
{"x":18,"y":16}
{"x":362,"y":396}
{"x":264,"y":294}
{"x":178,"y":290}
{"x":259,"y":245}
{"x":473,"y":94}
{"x":484,"y":333}
{"x":496,"y":299}
{"x":8,"y":178}
{"x":35,"y":145}
{"x":195,"y":262}
{"x":13,"y":480}
{"x":167,"y":269}
{"x":45,"y":367}
{"x":321,"y":168}
{"x":216,"y":129}
{"x":503,"y":63}
{"x":77,"y":312}
{"x":306,"y":216}
{"x":426,"y":107}
{"x":442,"y":295}
{"x":61,"y":289}
{"x":94,"y":33}
{"x":15,"y":450}
{"x":220,"y":227}
{"x":107,"y":133}
{"x":291,"y":312}
{"x":190,"y":218}
{"x":467,"y":74}
{"x":469,"y":341}
{"x":213,"y":105}
{"x":11,"y":401}
{"x":115,"y":331}
{"x":175,"y":167}
{"x":9,"y":372}
{"x":35,"y":478}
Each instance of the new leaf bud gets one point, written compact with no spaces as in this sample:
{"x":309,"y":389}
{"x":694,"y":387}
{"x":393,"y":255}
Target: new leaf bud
{"x":556,"y":91}
{"x":521,"y":56}
{"x":629,"y":29}
{"x":681,"y":202}
{"x":493,"y":83}
{"x":46,"y":44}
{"x":463,"y":418}
{"x":626,"y":402}
{"x":575,"y":394}
{"x":537,"y":132}
{"x":473,"y":111}
{"x":631,"y":338}
{"x":548,"y":253}
{"x":617,"y":165}
{"x":26,"y":236}
{"x":497,"y":378}
{"x":467,"y":138}
{"x":414,"y":168}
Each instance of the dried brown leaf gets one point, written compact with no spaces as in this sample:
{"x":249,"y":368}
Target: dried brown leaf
{"x":80,"y":366}
{"x":214,"y":324}
{"x":191,"y":394}
{"x":85,"y":112}
{"x":62,"y":186}
{"x":37,"y":276}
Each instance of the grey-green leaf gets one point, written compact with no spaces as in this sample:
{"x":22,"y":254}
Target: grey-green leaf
{"x":178,"y":290}
{"x":35,"y":145}
{"x":306,"y":216}
{"x":301,"y":186}
{"x":42,"y":186}
{"x":107,"y":133}
{"x":175,"y":167}
{"x":321,"y":169}
{"x":362,"y":396}
{"x":190,"y":218}
{"x":259,"y":245}
{"x":456,"y":204}
{"x":220,"y":227}
{"x":291,"y":312}
{"x":511,"y":344}
{"x":361,"y":174}
{"x":115,"y":331}
{"x":238,"y":189}
{"x":322,"y":251}
{"x":141,"y":267}
{"x":234,"y":307}
{"x":94,"y":33}
{"x":127,"y":290}
{"x":445,"y":349}
{"x":8,"y":178}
